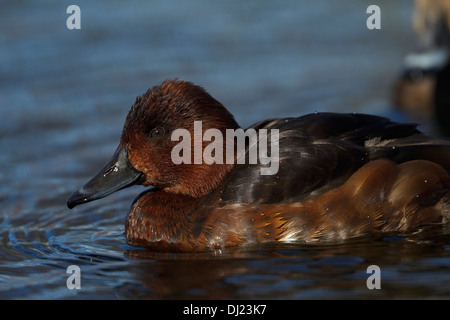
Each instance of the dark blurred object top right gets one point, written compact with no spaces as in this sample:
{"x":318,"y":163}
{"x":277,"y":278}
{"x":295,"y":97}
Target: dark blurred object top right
{"x":423,"y":89}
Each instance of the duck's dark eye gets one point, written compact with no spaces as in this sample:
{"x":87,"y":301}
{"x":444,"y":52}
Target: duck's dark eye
{"x":157,"y":133}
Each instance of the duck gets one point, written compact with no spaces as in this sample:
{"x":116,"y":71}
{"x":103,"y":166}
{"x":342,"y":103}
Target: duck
{"x":421,"y":89}
{"x":339,"y":176}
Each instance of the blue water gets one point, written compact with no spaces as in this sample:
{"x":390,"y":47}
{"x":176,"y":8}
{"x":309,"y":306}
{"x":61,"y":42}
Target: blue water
{"x":64,"y":95}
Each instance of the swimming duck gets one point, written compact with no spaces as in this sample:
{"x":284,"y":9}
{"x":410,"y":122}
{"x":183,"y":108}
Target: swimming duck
{"x":422,"y":88}
{"x":339,"y":176}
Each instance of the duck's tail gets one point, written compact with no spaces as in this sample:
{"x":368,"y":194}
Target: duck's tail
{"x":418,"y":146}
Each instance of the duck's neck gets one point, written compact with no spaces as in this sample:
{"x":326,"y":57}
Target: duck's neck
{"x":165,"y":219}
{"x":199,"y":180}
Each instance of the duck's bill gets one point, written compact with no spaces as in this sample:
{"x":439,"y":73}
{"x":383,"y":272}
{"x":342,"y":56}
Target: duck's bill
{"x":116,"y":175}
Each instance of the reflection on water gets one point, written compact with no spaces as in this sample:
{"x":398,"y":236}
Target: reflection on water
{"x":301,"y":271}
{"x":64,"y":96}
